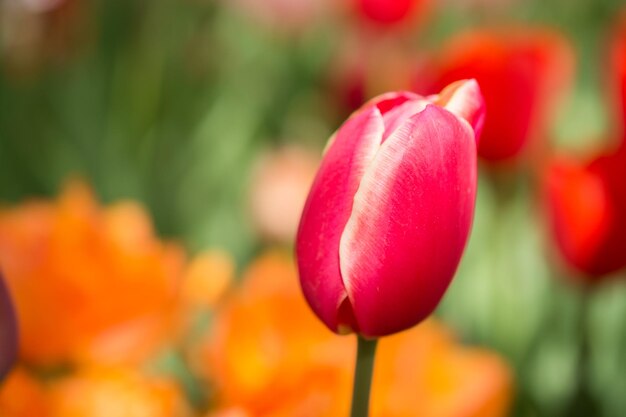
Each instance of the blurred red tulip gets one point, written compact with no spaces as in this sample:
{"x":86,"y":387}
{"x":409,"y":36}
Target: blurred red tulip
{"x":520,"y":72}
{"x":587,"y":210}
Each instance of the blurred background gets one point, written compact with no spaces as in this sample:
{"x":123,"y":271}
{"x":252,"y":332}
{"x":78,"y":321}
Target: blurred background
{"x":202,"y":122}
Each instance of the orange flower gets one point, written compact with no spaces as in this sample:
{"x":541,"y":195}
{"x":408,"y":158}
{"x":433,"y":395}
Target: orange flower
{"x":88,"y":283}
{"x":91,"y":392}
{"x":115,"y":392}
{"x":264,"y":336}
{"x":21,"y":395}
{"x":269,"y":356}
{"x":207,"y":278}
{"x":425,"y":372}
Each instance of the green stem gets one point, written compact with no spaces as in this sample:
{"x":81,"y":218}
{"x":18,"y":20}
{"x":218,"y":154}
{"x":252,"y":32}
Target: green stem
{"x":583,"y":403}
{"x":363,"y":376}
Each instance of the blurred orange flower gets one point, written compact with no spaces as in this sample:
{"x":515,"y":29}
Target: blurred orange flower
{"x":89,"y":283}
{"x":425,"y":372}
{"x":207,"y":278}
{"x":21,"y":395}
{"x":115,"y":392}
{"x":91,"y":392}
{"x":269,"y":356}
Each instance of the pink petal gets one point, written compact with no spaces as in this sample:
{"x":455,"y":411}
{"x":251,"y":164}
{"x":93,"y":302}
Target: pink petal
{"x":410,"y":222}
{"x":388,"y":101}
{"x":398,"y":115}
{"x":326,"y":212}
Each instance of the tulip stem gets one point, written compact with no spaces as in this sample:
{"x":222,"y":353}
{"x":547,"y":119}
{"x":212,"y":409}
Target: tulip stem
{"x":584,"y":403}
{"x":366,"y":349}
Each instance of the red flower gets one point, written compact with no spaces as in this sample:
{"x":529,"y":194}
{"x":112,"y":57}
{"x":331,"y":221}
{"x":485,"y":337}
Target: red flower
{"x":388,"y":215}
{"x":587,"y":209}
{"x":389,"y":12}
{"x":520,"y":72}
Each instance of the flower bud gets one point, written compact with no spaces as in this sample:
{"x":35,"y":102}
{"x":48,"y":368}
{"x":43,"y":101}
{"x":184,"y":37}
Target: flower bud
{"x":390,"y":210}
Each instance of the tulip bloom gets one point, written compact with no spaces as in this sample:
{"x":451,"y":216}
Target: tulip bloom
{"x":389,"y":12}
{"x":519,"y":72}
{"x":390,"y":210}
{"x":587,"y":206}
{"x":8,"y":331}
{"x":587,"y":199}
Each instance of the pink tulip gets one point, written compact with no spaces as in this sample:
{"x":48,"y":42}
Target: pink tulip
{"x":390,"y":210}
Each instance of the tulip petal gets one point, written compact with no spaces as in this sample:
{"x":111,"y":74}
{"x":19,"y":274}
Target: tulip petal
{"x":397,"y":116}
{"x":326,"y":212}
{"x":464,"y":99}
{"x":8,"y":331}
{"x":410,"y":221}
{"x":388,"y":101}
